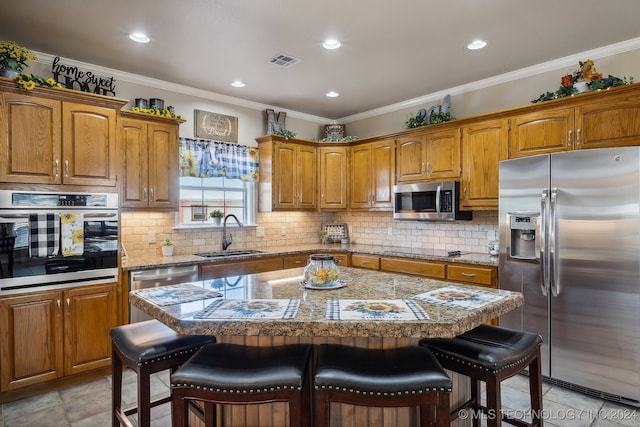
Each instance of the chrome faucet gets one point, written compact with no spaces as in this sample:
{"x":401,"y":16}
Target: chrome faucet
{"x":226,"y":242}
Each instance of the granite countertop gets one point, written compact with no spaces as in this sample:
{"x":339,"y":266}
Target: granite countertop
{"x":310,"y":318}
{"x":425,"y":254}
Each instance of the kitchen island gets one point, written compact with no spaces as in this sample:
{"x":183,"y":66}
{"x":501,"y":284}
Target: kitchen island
{"x":385,"y":315}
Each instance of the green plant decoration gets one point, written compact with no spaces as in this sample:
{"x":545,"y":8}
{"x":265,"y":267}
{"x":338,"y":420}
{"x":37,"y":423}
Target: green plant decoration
{"x":284,"y":132}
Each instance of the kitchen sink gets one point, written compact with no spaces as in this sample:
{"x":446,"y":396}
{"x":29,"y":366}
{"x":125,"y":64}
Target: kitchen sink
{"x":223,"y":254}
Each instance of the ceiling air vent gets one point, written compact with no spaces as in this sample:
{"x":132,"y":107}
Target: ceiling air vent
{"x":283,"y":60}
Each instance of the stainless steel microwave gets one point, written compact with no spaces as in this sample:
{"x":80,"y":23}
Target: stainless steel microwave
{"x":428,"y":201}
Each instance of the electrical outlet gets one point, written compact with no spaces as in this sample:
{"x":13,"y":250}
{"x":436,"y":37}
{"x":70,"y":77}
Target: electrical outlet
{"x":283,"y":231}
{"x":259,"y":231}
{"x":152,"y":237}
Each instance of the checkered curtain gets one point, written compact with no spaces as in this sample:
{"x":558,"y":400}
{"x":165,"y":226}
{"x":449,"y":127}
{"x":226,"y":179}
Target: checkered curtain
{"x":207,"y":158}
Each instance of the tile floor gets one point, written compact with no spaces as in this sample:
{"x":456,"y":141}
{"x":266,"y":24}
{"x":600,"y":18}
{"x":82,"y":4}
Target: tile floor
{"x":88,"y":405}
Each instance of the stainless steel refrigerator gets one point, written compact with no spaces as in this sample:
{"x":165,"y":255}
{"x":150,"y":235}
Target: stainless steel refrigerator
{"x":570,"y":242}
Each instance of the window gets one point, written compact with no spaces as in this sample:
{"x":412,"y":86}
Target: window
{"x":216,"y":175}
{"x":200,"y":196}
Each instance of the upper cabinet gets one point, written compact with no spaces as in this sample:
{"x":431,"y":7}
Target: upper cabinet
{"x":544,"y":131}
{"x":429,"y":155}
{"x":333,"y":177}
{"x":288,"y":173}
{"x":372,"y":175}
{"x":58,"y":136}
{"x":150,"y":165}
{"x":484,"y":144}
{"x":603,"y":119}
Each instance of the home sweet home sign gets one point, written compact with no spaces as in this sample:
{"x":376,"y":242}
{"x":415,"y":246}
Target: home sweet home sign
{"x":72,"y":77}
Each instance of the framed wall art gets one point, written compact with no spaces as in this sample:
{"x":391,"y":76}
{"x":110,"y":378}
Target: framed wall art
{"x":334,"y":131}
{"x":216,"y":126}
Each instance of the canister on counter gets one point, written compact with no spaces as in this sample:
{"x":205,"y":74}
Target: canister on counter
{"x":141,"y":103}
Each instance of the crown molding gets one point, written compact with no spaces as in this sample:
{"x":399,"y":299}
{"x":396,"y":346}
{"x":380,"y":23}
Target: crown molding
{"x":544,"y":67}
{"x":567,"y":61}
{"x":47,"y":59}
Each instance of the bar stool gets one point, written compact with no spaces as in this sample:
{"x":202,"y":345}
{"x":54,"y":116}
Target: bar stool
{"x":407,"y":376}
{"x":237,"y":374}
{"x":493,"y":354}
{"x":146,"y":347}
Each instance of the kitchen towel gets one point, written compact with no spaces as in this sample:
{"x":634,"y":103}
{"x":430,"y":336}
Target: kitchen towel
{"x":44,"y":235}
{"x":72,"y":232}
{"x":457,"y":297}
{"x":250,"y":309}
{"x":395,"y":309}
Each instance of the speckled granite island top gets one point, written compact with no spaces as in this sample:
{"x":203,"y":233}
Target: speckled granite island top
{"x":311,"y":316}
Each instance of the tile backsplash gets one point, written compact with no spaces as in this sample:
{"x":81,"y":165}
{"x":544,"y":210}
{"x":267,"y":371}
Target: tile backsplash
{"x":291,"y":228}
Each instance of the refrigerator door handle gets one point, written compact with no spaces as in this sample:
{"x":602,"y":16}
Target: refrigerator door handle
{"x":553,"y":255}
{"x":544,"y":283}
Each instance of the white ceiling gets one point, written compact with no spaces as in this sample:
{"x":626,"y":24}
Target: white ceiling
{"x":392,"y":51}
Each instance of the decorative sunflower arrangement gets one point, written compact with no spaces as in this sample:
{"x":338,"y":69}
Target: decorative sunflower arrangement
{"x":158,"y":112}
{"x":15,"y":57}
{"x":586,"y":73}
{"x":29,"y":81}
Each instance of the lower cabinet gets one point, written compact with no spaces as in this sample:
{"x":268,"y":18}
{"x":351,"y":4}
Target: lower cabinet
{"x":51,"y":334}
{"x":433,"y":269}
{"x":365,"y":261}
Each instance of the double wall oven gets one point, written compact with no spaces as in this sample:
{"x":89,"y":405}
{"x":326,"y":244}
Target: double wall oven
{"x":50,"y":239}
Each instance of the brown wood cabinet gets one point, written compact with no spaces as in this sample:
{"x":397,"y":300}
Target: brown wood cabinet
{"x":51,"y":334}
{"x":288,"y":174}
{"x":150,"y":165}
{"x":484,"y":144}
{"x":365,"y":261}
{"x":333,"y":177}
{"x":433,"y":269}
{"x":429,"y":155}
{"x":372,"y":176}
{"x":58,"y":136}
{"x":598,"y":120}
{"x":545,"y":131}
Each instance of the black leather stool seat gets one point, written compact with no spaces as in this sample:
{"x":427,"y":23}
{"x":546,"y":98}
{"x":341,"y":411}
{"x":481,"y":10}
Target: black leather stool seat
{"x":147,"y":347}
{"x":238,"y":374}
{"x":408,"y":376}
{"x":487,"y":347}
{"x":492,"y":354}
{"x":148,"y":342}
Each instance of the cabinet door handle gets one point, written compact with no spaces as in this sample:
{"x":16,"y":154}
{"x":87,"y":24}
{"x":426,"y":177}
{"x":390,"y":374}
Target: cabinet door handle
{"x":68,"y":306}
{"x":144,"y":194}
{"x":58,"y":304}
{"x":569,"y":138}
{"x":578,"y":136}
{"x":428,"y":169}
{"x":468,"y":274}
{"x":56,"y":167}
{"x":151,"y":196}
{"x":66,"y":168}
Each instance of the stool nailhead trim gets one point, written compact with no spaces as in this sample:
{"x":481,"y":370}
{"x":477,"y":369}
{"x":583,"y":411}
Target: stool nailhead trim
{"x":235,"y":391}
{"x":165,"y":357}
{"x":439,"y":353}
{"x":383,"y":393}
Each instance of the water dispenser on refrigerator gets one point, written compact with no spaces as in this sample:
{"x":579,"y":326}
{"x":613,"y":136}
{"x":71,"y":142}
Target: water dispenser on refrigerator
{"x":523,"y":227}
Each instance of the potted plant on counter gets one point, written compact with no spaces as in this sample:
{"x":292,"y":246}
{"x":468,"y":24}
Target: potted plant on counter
{"x":216,"y":216}
{"x":167,"y":247}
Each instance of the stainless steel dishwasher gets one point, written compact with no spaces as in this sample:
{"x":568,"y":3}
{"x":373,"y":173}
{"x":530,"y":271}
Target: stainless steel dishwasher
{"x":155,"y":277}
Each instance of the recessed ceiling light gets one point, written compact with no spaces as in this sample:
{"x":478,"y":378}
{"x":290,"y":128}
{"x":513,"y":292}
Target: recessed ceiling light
{"x":331,"y":44}
{"x":332,"y":94}
{"x":139,"y":37}
{"x":238,"y":83}
{"x":476,"y":44}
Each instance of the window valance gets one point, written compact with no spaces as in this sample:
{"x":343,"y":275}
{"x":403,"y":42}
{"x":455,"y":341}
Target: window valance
{"x":208,"y":158}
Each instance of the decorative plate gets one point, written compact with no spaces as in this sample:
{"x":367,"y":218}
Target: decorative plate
{"x":337,"y":284}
